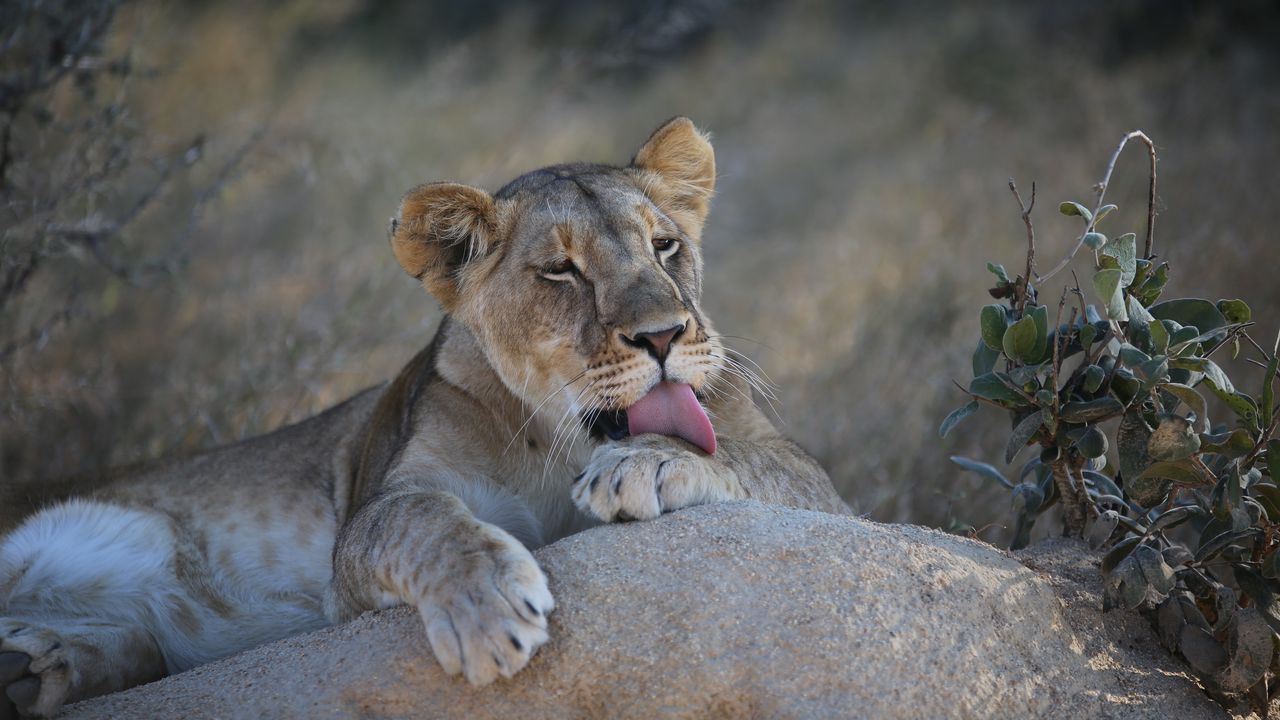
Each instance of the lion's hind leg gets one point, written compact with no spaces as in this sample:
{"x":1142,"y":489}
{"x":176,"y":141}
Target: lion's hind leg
{"x":44,"y":666}
{"x":79,"y":585}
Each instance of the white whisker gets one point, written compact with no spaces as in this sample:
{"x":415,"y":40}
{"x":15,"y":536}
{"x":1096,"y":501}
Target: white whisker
{"x":534,"y":413}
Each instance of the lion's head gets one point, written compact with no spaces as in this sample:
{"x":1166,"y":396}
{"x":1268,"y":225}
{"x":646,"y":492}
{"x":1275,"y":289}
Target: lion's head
{"x":582,"y":283}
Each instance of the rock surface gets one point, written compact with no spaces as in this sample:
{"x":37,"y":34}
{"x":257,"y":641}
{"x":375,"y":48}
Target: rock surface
{"x":734,"y":611}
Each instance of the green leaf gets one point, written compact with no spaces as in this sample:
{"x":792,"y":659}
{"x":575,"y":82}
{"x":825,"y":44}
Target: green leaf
{"x":1191,"y":311}
{"x":1101,"y":483}
{"x":1173,"y":439}
{"x":1087,"y":333}
{"x":1024,"y":375}
{"x":984,"y":359}
{"x":1263,"y":599}
{"x":1125,"y":386}
{"x":994,"y":321}
{"x":1235,"y":311}
{"x":999,"y":271}
{"x":1139,"y":330}
{"x":1095,"y":240}
{"x":1020,"y":339}
{"x":956,"y":416}
{"x":991,"y":387}
{"x":1234,"y":444}
{"x":1171,"y":519}
{"x":1027,"y":498}
{"x":1127,"y":586}
{"x":1273,"y":460}
{"x":1184,"y":339}
{"x":1191,"y":398}
{"x":1141,"y":274}
{"x":1229,"y":537}
{"x":1125,"y":251}
{"x":1170,"y":620}
{"x":1242,"y":405}
{"x":1132,"y":356}
{"x":1268,"y":496}
{"x":1040,"y":314}
{"x":1251,"y":646}
{"x":1186,"y":335}
{"x":1214,"y":374}
{"x":1083,"y":411}
{"x":1022,"y":434}
{"x":1158,"y":573}
{"x":1225,"y":604}
{"x":1159,"y":337}
{"x":1093,"y":377}
{"x":1104,"y":211}
{"x":1204,"y":654}
{"x":1093,"y":443}
{"x":1119,"y":552}
{"x":1181,"y":471}
{"x":1153,"y":371}
{"x":1107,"y":284}
{"x":1075,"y":208}
{"x":1153,"y":284}
{"x":981,"y":468}
{"x":1027,"y":503}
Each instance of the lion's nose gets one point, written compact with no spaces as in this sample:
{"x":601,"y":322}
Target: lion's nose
{"x":658,"y":342}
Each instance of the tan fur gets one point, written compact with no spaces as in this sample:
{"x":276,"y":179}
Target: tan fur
{"x":432,"y":490}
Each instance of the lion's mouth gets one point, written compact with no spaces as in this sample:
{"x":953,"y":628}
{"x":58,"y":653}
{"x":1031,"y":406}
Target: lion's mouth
{"x":610,"y":424}
{"x":670,"y":409}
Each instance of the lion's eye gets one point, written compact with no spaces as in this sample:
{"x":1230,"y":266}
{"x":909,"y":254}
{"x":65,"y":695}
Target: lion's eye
{"x":561,"y":269}
{"x":665,"y":247}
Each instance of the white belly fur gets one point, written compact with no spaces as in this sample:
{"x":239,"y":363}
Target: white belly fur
{"x":121,"y":565}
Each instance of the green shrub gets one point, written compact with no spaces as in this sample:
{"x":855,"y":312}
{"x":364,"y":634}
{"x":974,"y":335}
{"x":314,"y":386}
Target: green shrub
{"x":1189,"y":511}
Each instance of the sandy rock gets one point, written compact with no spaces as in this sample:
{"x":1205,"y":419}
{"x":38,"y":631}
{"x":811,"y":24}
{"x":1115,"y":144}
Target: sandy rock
{"x":733,"y":611}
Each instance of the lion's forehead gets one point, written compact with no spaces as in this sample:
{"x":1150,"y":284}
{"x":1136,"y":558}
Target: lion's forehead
{"x":613,"y":228}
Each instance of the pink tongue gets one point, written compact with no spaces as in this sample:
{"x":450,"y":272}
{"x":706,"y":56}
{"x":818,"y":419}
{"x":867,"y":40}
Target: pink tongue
{"x":671,"y":409}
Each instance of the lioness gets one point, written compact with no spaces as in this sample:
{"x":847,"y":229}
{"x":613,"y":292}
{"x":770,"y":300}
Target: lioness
{"x":574,"y":379}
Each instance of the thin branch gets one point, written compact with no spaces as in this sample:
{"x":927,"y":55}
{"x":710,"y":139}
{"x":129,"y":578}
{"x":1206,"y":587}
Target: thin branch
{"x":1102,"y":192}
{"x":1058,"y":340}
{"x":1031,"y":242}
{"x":96,"y":238}
{"x":1256,"y":346}
{"x":1084,"y":313}
{"x":219,"y":181}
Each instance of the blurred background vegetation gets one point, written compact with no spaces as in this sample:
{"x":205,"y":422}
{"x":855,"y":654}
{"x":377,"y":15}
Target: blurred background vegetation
{"x":195,"y":195}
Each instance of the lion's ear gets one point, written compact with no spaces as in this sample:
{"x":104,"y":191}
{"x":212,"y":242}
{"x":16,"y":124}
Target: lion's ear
{"x":682,"y":172}
{"x":439,"y":228}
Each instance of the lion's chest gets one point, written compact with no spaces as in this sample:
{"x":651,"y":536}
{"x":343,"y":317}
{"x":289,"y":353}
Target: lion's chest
{"x":541,"y":473}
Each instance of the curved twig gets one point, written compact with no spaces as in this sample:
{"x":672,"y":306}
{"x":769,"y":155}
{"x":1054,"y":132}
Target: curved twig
{"x":1102,"y":193}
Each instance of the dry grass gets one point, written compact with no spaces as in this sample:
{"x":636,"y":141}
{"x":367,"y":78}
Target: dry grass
{"x":863,"y":154}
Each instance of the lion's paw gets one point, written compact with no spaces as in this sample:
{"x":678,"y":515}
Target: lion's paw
{"x":642,"y":477}
{"x":35,"y":669}
{"x":487,"y":614}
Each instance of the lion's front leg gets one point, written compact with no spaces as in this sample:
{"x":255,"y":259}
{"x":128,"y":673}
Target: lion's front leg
{"x":481,"y":595}
{"x":644,"y":476}
{"x":641,"y":477}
